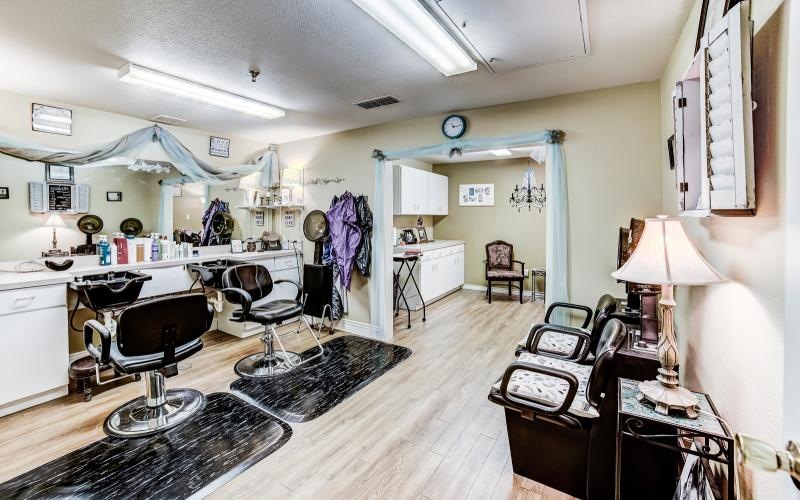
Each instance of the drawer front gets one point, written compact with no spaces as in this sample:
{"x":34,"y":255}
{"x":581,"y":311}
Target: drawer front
{"x":166,"y":280}
{"x":269,"y":263}
{"x":439,"y":253}
{"x":456,"y":249}
{"x":289,"y":262}
{"x":33,"y":298}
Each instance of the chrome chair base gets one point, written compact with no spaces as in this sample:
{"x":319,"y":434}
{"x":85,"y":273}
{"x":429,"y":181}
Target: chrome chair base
{"x":136,"y":419}
{"x":261,"y":365}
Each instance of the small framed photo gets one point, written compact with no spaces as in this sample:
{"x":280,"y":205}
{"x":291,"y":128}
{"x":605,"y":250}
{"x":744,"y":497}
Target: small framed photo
{"x":423,"y":234}
{"x":236,"y":246}
{"x":59,"y":173}
{"x":177,"y":191}
{"x":4,"y":193}
{"x":219,"y":146}
{"x":113,"y":195}
{"x":51,"y":120}
{"x":288,"y":219}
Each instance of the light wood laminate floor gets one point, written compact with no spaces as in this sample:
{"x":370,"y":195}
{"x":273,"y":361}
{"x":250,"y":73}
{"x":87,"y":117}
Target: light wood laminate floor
{"x":423,"y":430}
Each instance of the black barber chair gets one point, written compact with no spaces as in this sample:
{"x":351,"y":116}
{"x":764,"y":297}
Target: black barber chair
{"x":561,"y":418}
{"x":570,"y":342}
{"x":152,"y":337}
{"x":246,"y":284}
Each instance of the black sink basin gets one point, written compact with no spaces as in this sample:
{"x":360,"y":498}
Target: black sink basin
{"x":107,"y":290}
{"x":210,"y":272}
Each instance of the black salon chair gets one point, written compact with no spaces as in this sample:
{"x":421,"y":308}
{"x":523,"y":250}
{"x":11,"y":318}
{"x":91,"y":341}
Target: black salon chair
{"x":246,"y":284}
{"x":151,"y":338}
{"x":570,"y":342}
{"x":561,"y":417}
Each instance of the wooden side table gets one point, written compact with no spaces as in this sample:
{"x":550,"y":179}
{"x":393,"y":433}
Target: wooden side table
{"x":639,"y":420}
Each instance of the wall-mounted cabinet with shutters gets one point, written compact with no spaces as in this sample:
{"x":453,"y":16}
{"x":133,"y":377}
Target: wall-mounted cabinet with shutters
{"x":419,"y":192}
{"x":712,"y":108}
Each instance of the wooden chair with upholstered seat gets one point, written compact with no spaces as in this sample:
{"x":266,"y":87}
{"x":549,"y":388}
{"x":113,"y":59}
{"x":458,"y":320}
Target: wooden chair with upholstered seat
{"x":500,"y":267}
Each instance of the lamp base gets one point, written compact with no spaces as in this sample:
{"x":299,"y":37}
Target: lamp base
{"x":668,"y":398}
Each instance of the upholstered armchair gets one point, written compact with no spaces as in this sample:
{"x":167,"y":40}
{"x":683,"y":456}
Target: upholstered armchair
{"x":500,"y":267}
{"x":561,"y":415}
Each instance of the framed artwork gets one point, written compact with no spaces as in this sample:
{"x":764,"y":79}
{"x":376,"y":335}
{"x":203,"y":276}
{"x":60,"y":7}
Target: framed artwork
{"x":51,"y":120}
{"x":259,"y":215}
{"x":4,"y":193}
{"x":476,"y":195}
{"x":288,"y":219}
{"x":113,"y":195}
{"x":59,"y":173}
{"x":236,"y":246}
{"x":177,"y":191}
{"x":423,"y":234}
{"x":219,"y":146}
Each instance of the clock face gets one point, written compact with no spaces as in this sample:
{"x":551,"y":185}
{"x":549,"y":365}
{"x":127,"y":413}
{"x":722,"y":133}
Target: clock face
{"x":454,"y":126}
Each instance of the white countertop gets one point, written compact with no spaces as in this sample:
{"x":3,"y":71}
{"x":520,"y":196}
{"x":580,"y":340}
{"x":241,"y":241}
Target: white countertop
{"x":88,"y":265}
{"x":426,"y":247}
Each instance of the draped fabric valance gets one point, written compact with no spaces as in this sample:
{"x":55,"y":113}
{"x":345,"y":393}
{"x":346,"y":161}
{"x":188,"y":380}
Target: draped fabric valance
{"x":126,"y":150}
{"x":557,"y":213}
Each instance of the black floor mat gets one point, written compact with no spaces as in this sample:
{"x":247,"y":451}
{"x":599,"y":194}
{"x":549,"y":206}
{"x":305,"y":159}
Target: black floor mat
{"x":223,"y":440}
{"x":349,"y":364}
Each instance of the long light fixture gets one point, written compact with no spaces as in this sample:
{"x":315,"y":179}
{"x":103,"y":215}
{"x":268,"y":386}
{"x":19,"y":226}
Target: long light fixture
{"x":501,"y":152}
{"x":137,"y":75}
{"x":413,"y":24}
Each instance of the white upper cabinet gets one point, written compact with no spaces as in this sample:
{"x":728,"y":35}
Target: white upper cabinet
{"x":713,"y":107}
{"x":418,"y":192}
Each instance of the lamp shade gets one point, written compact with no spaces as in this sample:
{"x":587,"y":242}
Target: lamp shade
{"x":55,"y":220}
{"x":666,"y":256}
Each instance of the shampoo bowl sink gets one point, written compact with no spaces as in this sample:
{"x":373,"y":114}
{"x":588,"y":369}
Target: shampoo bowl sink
{"x":108,"y":290}
{"x":210,"y":272}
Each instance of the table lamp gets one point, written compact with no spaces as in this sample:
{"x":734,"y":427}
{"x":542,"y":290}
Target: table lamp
{"x":54,"y":221}
{"x":665,"y":256}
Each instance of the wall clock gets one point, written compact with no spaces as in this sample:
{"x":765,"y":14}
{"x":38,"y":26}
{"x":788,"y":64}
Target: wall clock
{"x":454,"y":126}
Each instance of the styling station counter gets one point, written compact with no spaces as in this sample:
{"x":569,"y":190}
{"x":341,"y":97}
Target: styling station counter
{"x":439,"y":272}
{"x":34,"y":321}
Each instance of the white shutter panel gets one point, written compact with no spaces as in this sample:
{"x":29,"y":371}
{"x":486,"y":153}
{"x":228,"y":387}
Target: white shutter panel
{"x":729,"y":133}
{"x":36,"y":192}
{"x":677,"y":116}
{"x":80,"y":198}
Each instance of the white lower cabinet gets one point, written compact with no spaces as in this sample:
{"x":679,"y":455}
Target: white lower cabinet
{"x":35,"y":354}
{"x":438,"y":273}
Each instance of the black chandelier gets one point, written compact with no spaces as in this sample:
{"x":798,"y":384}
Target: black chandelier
{"x":529,"y":194}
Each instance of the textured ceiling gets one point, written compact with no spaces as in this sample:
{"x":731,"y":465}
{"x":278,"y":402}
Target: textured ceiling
{"x":316,"y":58}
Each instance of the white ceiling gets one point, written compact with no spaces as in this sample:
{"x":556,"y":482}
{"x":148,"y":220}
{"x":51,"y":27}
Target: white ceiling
{"x":316,"y":58}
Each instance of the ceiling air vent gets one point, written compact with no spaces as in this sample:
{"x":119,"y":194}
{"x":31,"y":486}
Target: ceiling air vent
{"x":377,"y":102}
{"x":169,"y":120}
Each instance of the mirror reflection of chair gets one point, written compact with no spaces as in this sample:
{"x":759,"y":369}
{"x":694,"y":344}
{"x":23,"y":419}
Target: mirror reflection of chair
{"x":151,"y":338}
{"x":246,"y":284}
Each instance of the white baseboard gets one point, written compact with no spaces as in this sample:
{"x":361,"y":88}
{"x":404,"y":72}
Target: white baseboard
{"x":359,"y":328}
{"x":499,"y":289}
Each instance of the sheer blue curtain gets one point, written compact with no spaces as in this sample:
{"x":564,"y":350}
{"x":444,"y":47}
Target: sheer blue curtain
{"x":557,"y":209}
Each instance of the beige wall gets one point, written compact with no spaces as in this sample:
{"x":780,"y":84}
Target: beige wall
{"x":732,"y":334}
{"x":23,"y":236}
{"x":612,"y":155}
{"x":480,"y":225}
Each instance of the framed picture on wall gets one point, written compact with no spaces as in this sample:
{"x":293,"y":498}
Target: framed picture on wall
{"x":59,"y":173}
{"x":219,"y":146}
{"x":4,"y":193}
{"x":113,"y":195}
{"x":476,"y":195}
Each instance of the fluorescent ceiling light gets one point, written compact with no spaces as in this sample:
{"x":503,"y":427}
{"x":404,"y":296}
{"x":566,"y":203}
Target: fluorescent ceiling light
{"x":413,"y":24}
{"x":137,"y":75}
{"x":500,"y":152}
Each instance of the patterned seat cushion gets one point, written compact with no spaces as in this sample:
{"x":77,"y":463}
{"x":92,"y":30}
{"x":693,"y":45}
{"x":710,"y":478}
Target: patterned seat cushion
{"x":555,"y":342}
{"x":504,"y":273}
{"x":551,"y":390}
